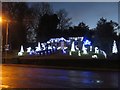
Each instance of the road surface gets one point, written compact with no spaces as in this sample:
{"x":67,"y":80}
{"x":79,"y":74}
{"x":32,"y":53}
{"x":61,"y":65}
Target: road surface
{"x":26,"y":76}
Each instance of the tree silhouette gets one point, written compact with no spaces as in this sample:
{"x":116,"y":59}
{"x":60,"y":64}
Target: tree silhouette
{"x":36,"y":12}
{"x":104,"y":35}
{"x":47,"y":27}
{"x":64,"y":19}
{"x":80,"y":30}
{"x":15,"y":11}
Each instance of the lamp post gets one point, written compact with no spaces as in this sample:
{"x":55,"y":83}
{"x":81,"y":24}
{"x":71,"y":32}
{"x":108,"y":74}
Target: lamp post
{"x":6,"y":40}
{"x":6,"y":43}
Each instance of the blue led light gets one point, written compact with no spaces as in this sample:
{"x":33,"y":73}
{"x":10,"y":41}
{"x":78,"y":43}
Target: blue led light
{"x":86,"y":41}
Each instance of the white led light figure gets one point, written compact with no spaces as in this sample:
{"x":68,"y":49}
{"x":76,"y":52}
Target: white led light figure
{"x":64,"y":52}
{"x":94,"y":56}
{"x":48,"y":42}
{"x":96,"y":50}
{"x":20,"y":53}
{"x":84,"y":49}
{"x":39,"y":47}
{"x":90,"y":48}
{"x":49,"y":47}
{"x":29,"y":49}
{"x":73,"y":46}
{"x":43,"y":45}
{"x":76,"y":39}
{"x":79,"y":54}
{"x":82,"y":38}
{"x":76,"y":47}
{"x":21,"y":49}
{"x":62,"y":46}
{"x":105,"y":55}
{"x":70,"y":53}
{"x":114,"y":48}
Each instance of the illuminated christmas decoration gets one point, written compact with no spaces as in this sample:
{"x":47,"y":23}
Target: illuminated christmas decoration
{"x":73,"y":47}
{"x":76,"y":39}
{"x":103,"y":52}
{"x":43,"y":45}
{"x":84,"y":49}
{"x":75,"y":44}
{"x":90,"y":48}
{"x":49,"y":47}
{"x":114,"y":48}
{"x":82,"y":38}
{"x":38,"y":48}
{"x":64,"y":52}
{"x":21,"y":51}
{"x":79,"y":54}
{"x":32,"y":52}
{"x":56,"y":40}
{"x":29,"y":49}
{"x":96,"y":50}
{"x":68,"y":41}
{"x":54,"y":47}
{"x":48,"y":42}
{"x":94,"y":56}
{"x":86,"y":42}
{"x":62,"y":39}
{"x":70,"y":53}
{"x":76,"y":47}
{"x":62,"y":46}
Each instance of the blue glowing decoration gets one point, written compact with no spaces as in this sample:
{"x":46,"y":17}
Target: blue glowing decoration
{"x":86,"y":42}
{"x":64,"y":52}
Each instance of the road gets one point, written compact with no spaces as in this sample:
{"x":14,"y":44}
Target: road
{"x":27,"y":76}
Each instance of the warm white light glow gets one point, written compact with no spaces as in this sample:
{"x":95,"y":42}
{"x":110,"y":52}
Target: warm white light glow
{"x":0,"y":19}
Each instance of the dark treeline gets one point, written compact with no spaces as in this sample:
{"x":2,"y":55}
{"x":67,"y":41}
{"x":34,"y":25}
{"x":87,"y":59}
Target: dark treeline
{"x":34,"y":22}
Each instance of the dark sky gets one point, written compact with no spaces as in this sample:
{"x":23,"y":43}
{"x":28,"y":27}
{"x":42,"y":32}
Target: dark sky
{"x":88,"y":12}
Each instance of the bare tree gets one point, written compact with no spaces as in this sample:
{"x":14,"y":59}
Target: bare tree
{"x":15,"y":13}
{"x":64,"y":19}
{"x":37,"y":10}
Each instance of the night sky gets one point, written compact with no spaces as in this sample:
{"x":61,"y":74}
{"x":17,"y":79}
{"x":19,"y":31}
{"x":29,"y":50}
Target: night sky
{"x":88,"y":12}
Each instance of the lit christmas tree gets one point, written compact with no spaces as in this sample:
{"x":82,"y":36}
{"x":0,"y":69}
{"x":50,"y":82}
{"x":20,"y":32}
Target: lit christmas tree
{"x":114,"y":48}
{"x":84,"y":49}
{"x":73,"y":47}
{"x":21,"y":49}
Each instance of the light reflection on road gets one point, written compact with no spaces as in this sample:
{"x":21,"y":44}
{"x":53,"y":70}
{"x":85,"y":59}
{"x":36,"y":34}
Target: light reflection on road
{"x":32,"y":77}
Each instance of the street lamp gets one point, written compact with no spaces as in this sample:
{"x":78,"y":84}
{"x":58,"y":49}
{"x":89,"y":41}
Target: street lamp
{"x":7,"y":26}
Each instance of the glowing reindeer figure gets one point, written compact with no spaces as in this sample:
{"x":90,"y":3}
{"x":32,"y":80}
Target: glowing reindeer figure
{"x":96,"y":50}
